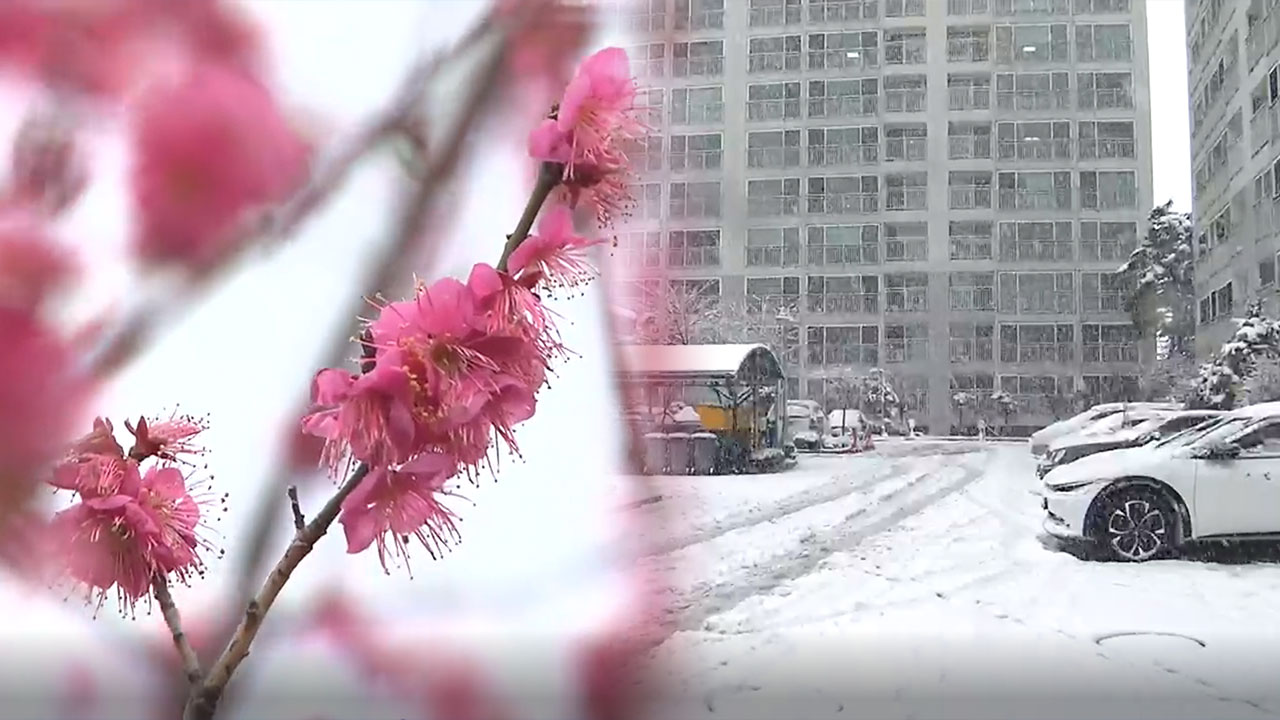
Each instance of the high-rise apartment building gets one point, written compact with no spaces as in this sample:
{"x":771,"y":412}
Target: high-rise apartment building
{"x":941,"y":188}
{"x":1233,"y":48}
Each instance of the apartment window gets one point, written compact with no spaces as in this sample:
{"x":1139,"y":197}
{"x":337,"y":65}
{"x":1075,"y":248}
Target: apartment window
{"x":773,"y":101}
{"x":646,"y":16}
{"x":1107,"y":241}
{"x":852,"y":50}
{"x":1103,"y":7}
{"x":648,"y":60}
{"x":904,"y":8}
{"x":843,"y":244}
{"x":969,"y":190}
{"x":648,"y":106}
{"x":1221,"y":303}
{"x":705,"y":289}
{"x":1106,"y":139}
{"x":697,"y":105}
{"x":1031,"y":44}
{"x":1036,"y":241}
{"x":1105,"y":90}
{"x":774,"y":197}
{"x":906,"y":242}
{"x":906,"y":93}
{"x":1267,"y":272}
{"x":843,"y":11}
{"x":906,"y":191}
{"x":773,"y":54}
{"x":970,"y":240}
{"x":1036,"y":394}
{"x":699,"y":15}
{"x":913,"y":392}
{"x":1036,"y":293}
{"x":773,"y":295}
{"x":971,"y":342}
{"x":844,"y":194}
{"x":1006,"y":8}
{"x":1034,"y":190}
{"x":1037,"y":343}
{"x":906,"y":292}
{"x":648,"y":198}
{"x":859,"y":294}
{"x":968,"y":7}
{"x":972,"y":291}
{"x":645,"y":153}
{"x":1104,"y":42}
{"x":769,"y":13}
{"x":906,"y":46}
{"x":693,"y":248}
{"x":843,"y":345}
{"x":695,"y":199}
{"x":1035,"y":140}
{"x":969,"y":91}
{"x":1108,"y":189}
{"x":969,"y":140}
{"x":833,"y":147}
{"x":968,"y":44}
{"x":1109,"y":342}
{"x":980,"y":384}
{"x":773,"y":247}
{"x":906,"y":343}
{"x":701,"y":58}
{"x":773,"y":149}
{"x":1102,"y":292}
{"x":906,"y":142}
{"x":696,"y":152}
{"x":1111,"y":388}
{"x":843,"y":98}
{"x":1033,"y":91}
{"x":640,"y":249}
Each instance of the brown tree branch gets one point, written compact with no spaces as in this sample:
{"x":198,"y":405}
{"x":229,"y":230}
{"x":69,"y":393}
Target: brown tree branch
{"x":173,"y":619}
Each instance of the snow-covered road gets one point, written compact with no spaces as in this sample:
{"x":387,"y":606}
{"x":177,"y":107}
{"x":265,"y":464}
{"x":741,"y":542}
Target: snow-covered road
{"x":914,"y":582}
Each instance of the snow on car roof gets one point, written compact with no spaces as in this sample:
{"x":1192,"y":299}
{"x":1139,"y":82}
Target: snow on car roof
{"x":1257,"y":411}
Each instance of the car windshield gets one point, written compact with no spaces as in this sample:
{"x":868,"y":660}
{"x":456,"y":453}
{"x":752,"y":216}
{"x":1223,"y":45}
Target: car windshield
{"x":1194,"y":432}
{"x":1223,"y":430}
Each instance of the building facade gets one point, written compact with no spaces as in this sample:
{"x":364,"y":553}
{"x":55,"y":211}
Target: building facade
{"x":1233,"y":51}
{"x":941,"y":188}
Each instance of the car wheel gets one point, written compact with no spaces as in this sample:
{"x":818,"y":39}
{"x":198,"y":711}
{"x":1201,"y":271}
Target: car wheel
{"x":1136,"y":524}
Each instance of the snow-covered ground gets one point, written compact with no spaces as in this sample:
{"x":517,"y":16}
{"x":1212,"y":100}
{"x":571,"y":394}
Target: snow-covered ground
{"x":915,"y":582}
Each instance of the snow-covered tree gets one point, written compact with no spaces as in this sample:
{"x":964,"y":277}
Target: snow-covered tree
{"x":878,"y":394}
{"x":1221,"y":381}
{"x":1172,"y":379}
{"x":1004,"y":404}
{"x":689,"y":313}
{"x":1264,"y":384}
{"x":962,"y":401}
{"x":1159,"y":273}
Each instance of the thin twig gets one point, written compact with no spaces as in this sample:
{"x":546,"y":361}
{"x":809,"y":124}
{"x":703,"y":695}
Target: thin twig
{"x":299,"y":520}
{"x":204,"y":702}
{"x":173,"y":619}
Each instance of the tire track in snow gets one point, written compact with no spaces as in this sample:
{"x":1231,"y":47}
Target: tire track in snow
{"x":838,"y":488}
{"x":765,"y":576}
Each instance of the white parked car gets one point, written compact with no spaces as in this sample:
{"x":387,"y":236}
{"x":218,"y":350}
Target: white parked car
{"x":1139,"y":432}
{"x":1218,"y":480}
{"x":1042,"y":438}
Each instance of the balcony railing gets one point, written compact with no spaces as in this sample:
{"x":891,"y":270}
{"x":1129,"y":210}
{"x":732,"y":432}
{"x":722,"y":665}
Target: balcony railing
{"x":964,"y":350}
{"x":969,"y":98}
{"x":695,"y":160}
{"x":853,"y":254}
{"x":913,"y":299}
{"x":765,"y":110}
{"x":771,"y":62}
{"x":976,"y":147}
{"x":1106,"y":149}
{"x":1111,"y":353}
{"x":906,"y":149}
{"x":968,"y":50}
{"x":1106,"y":99}
{"x":973,"y":298}
{"x":844,"y":203}
{"x":1059,"y":149}
{"x":915,"y":100}
{"x":1027,"y":352}
{"x":697,"y":67}
{"x":699,"y":114}
{"x":969,"y":197}
{"x":1036,"y":250}
{"x":844,"y":106}
{"x":1033,"y":100}
{"x":968,"y":7}
{"x":906,"y":350}
{"x":693,"y":257}
{"x":844,"y":303}
{"x":964,"y":247}
{"x":1107,"y":301}
{"x":773,"y":255}
{"x":773,"y":206}
{"x":773,"y":305}
{"x":842,"y":11}
{"x":773,"y":157}
{"x":834,"y":155}
{"x":1109,"y":199}
{"x":774,"y":16}
{"x":1034,"y":199}
{"x":908,"y":198}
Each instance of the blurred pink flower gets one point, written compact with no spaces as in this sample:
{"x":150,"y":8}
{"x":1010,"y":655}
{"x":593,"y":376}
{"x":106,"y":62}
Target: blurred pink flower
{"x":393,"y":506}
{"x":47,"y":171}
{"x":209,"y":149}
{"x":32,"y":266}
{"x":597,"y":110}
{"x":555,"y":252}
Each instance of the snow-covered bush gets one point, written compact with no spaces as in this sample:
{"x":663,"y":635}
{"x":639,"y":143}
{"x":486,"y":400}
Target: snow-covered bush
{"x":1004,"y":404}
{"x":1221,"y":380}
{"x":1264,"y":384}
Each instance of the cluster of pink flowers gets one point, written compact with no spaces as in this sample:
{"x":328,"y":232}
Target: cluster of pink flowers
{"x":139,"y":515}
{"x":461,"y":363}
